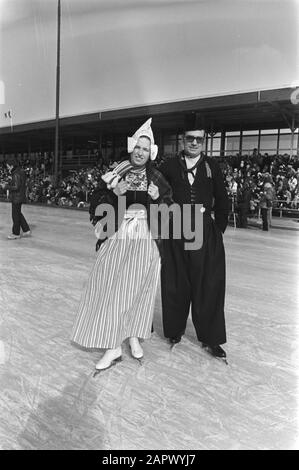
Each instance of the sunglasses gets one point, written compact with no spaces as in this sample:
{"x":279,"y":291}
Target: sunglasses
{"x":190,"y":139}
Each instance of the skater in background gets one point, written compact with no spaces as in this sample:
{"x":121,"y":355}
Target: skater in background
{"x":243,"y":204}
{"x":266,"y":202}
{"x":17,"y":196}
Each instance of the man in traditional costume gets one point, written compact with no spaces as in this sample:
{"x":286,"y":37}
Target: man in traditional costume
{"x":195,"y":278}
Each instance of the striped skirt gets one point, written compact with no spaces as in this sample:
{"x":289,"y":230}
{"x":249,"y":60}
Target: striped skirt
{"x":118,"y":300}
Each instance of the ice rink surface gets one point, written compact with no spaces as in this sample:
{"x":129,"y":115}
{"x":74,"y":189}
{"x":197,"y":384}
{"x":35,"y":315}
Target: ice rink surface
{"x":179,"y":399}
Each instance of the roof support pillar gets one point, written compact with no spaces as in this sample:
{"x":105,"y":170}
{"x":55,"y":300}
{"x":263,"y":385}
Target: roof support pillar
{"x":222,"y":144}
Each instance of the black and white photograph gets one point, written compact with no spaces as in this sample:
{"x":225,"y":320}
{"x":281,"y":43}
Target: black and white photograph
{"x":149,"y":227}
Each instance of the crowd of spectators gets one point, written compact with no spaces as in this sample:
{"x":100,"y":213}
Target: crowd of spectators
{"x":73,"y":190}
{"x":241,"y":174}
{"x":249,"y":173}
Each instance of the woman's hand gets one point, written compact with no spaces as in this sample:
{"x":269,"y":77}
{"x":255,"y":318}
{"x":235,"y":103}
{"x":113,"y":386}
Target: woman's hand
{"x":120,"y":188}
{"x":98,"y":230}
{"x":153,"y":191}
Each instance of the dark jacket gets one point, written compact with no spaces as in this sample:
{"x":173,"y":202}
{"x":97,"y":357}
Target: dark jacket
{"x":17,"y":187}
{"x":102,"y":195}
{"x":208,"y":188}
{"x":267,"y":196}
{"x":243,"y":198}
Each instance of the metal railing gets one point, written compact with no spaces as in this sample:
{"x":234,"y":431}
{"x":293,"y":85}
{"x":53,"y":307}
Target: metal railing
{"x":71,"y":161}
{"x":279,"y":205}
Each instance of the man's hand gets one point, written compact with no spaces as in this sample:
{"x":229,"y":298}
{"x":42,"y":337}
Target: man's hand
{"x":120,"y":188}
{"x":153,"y":191}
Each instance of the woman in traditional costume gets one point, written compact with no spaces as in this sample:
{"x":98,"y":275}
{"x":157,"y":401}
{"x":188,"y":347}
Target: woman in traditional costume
{"x":118,"y":300}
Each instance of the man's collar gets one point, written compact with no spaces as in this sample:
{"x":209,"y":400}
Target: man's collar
{"x":182,"y":155}
{"x":182,"y":162}
{"x":192,"y":161}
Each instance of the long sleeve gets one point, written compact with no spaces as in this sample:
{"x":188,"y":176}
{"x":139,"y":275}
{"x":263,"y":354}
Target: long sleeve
{"x":165,"y":191}
{"x":164,"y":169}
{"x":220,"y":198}
{"x":100,"y":195}
{"x":15,"y":183}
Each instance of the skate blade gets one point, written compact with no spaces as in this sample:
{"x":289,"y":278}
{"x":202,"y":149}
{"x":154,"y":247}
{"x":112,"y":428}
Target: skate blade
{"x":113,"y":363}
{"x":139,"y":360}
{"x":208,"y":351}
{"x":221,"y":359}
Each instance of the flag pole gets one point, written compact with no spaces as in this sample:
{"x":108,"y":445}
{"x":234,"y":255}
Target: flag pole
{"x":56,"y":154}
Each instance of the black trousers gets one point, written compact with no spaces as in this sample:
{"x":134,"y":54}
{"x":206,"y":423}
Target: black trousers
{"x":197,"y":279}
{"x":19,"y":221}
{"x":264,"y":213}
{"x":243,"y":213}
